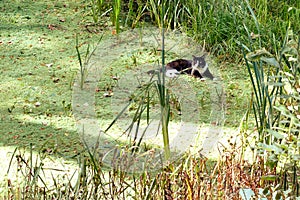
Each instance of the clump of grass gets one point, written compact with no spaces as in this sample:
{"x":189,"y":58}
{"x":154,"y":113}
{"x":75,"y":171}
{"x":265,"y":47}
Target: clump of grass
{"x":116,"y":15}
{"x":83,"y":64}
{"x":96,"y":7}
{"x":136,"y":11}
{"x":213,"y":24}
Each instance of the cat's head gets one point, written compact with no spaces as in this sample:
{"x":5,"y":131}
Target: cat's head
{"x":199,"y":61}
{"x":199,"y":64}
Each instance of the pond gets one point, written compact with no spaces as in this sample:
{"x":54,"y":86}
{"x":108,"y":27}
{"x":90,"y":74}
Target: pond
{"x":117,"y":85}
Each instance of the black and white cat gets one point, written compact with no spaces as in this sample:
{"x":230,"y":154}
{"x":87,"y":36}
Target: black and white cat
{"x":197,"y":67}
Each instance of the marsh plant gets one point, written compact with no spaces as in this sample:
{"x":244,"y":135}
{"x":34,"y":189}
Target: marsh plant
{"x":191,"y":177}
{"x":96,"y":9}
{"x":275,"y":81}
{"x":84,"y":62}
{"x":145,"y":97}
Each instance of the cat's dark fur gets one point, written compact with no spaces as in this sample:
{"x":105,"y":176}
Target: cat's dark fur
{"x":196,"y":67}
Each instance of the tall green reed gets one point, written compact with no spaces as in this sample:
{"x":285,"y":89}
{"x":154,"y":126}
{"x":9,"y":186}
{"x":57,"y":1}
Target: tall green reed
{"x":164,"y":92}
{"x":116,"y":15}
{"x":134,"y":15}
{"x":96,"y":7}
{"x":144,"y":98}
{"x":263,"y":104}
{"x":261,"y":8}
{"x":82,"y":65}
{"x":275,"y":82}
{"x":266,"y":74}
{"x":84,"y":62}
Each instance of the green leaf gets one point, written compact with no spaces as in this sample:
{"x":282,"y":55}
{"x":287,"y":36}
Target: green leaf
{"x":256,"y":55}
{"x":297,"y":122}
{"x":270,"y":61}
{"x":269,"y":177}
{"x":275,"y":84}
{"x":281,"y":108}
{"x":270,"y":148}
{"x":289,"y":50}
{"x":275,"y":134}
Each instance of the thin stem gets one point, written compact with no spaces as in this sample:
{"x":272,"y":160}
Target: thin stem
{"x":164,"y":93}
